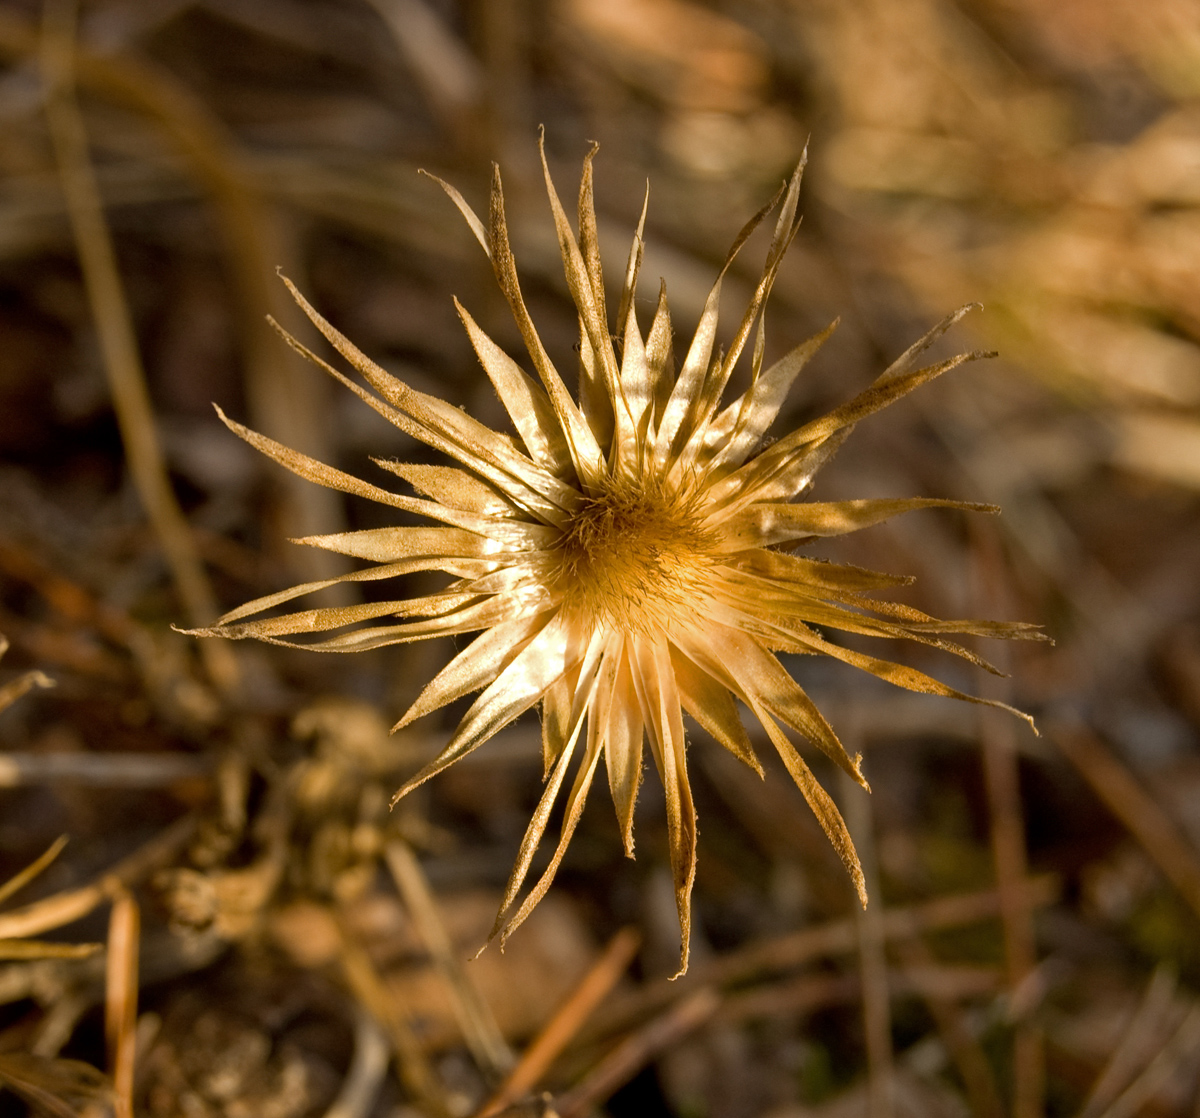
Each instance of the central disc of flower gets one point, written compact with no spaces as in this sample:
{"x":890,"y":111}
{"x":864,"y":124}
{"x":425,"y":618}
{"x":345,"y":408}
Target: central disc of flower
{"x":636,"y":559}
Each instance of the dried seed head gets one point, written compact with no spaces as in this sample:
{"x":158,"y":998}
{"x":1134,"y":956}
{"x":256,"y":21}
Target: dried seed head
{"x":624,"y":561}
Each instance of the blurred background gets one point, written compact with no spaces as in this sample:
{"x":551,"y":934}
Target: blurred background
{"x":1033,"y":946}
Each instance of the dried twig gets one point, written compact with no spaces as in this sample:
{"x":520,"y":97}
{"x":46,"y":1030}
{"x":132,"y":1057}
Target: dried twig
{"x":636,"y":1051}
{"x":1136,"y":1044}
{"x":872,"y":963}
{"x":1135,"y":807}
{"x":64,"y":908}
{"x":121,"y":998}
{"x":118,"y":341}
{"x":360,"y":1088}
{"x":567,"y":1021}
{"x":102,"y":770}
{"x":475,"y":1017}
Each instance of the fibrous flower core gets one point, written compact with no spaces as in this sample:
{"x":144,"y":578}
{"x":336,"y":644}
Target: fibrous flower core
{"x":636,"y":559}
{"x":630,"y":555}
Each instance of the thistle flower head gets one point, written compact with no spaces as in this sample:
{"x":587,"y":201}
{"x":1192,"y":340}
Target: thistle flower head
{"x":629,"y":555}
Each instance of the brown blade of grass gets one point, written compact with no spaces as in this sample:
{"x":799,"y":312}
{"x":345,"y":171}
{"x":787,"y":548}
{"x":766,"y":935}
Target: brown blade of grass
{"x":567,"y":1020}
{"x":872,"y":963}
{"x":19,"y":880}
{"x":636,"y":1051}
{"x":118,"y":340}
{"x":373,"y":996}
{"x":1158,"y":834}
{"x":65,"y":908}
{"x":1141,"y":1091}
{"x":368,"y":1068}
{"x":998,"y":739}
{"x":1137,"y":1042}
{"x":281,"y":393}
{"x":959,"y":1038}
{"x":484,"y":1039}
{"x":836,"y":937}
{"x":121,"y":998}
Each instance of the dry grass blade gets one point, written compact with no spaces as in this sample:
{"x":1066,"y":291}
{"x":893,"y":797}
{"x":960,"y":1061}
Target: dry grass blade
{"x":20,"y":880}
{"x":280,"y":396}
{"x":65,"y":908}
{"x":1009,"y":855}
{"x":1136,"y":1044}
{"x":566,"y":1022}
{"x":22,"y":685}
{"x":118,"y":341}
{"x":1182,"y":1046}
{"x":636,"y":1051}
{"x":101,"y":770}
{"x":475,"y":1017}
{"x":360,"y":1089}
{"x":835,"y":937}
{"x":37,"y":949}
{"x":121,"y":998}
{"x":62,"y":1088}
{"x":375,"y":998}
{"x":1136,"y":808}
{"x":872,"y":963}
{"x":958,"y":1036}
{"x":447,"y":72}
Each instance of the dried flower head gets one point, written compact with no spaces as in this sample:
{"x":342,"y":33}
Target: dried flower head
{"x":628,"y":556}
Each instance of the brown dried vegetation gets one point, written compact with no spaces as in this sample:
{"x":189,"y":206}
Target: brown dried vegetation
{"x":238,"y":925}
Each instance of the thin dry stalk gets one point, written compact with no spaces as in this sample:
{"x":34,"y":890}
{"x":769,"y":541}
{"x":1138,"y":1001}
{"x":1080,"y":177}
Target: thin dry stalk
{"x":568,"y":1019}
{"x":121,"y":998}
{"x":280,"y":390}
{"x":1181,"y":1046}
{"x":102,"y":770}
{"x":799,"y":996}
{"x":475,"y":1017}
{"x":118,"y":341}
{"x":20,"y":949}
{"x":872,"y":963}
{"x":958,"y":1037}
{"x":1001,"y":773}
{"x":446,"y":71}
{"x":375,"y":998}
{"x":368,"y":1068}
{"x":20,"y":880}
{"x":1158,"y":834}
{"x":1136,"y":1043}
{"x":791,"y":998}
{"x":505,"y":25}
{"x":837,"y":937}
{"x":22,"y":685}
{"x":65,"y":908}
{"x":636,"y":1051}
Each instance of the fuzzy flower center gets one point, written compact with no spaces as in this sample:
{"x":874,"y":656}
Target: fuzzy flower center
{"x":636,"y":559}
